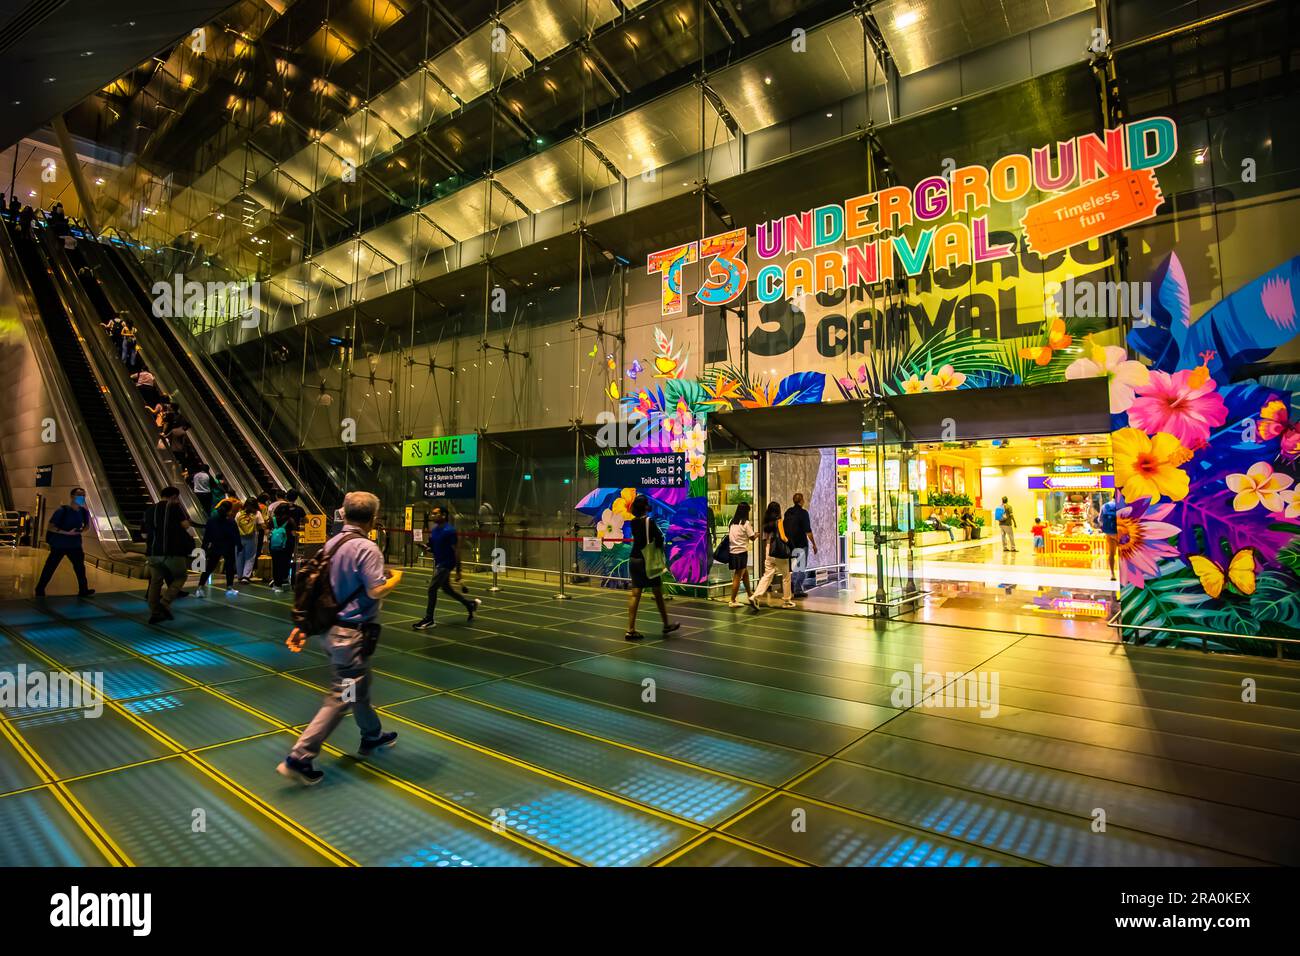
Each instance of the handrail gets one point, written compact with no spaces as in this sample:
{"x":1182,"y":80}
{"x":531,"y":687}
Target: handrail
{"x":251,"y":430}
{"x":172,"y":379}
{"x":133,"y":419}
{"x":1115,"y":624}
{"x":110,"y":531}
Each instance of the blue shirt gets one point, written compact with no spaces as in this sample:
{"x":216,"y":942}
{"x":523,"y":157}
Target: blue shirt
{"x":67,"y":518}
{"x":442,"y":543}
{"x":356,"y":565}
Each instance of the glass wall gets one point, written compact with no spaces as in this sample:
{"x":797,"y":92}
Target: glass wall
{"x":475,"y":224}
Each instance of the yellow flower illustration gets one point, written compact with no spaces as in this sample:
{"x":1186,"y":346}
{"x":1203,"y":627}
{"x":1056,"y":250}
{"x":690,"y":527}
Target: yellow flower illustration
{"x":944,"y":380}
{"x":1260,"y":485}
{"x":1149,"y":467}
{"x":622,"y":505}
{"x":913,"y":385}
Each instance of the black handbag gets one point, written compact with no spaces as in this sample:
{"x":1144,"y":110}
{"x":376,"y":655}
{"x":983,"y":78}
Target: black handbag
{"x":722,"y":553}
{"x":779,"y":546}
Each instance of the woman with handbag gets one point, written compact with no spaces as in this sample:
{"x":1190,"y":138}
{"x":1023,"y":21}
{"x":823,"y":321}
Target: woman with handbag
{"x":777,"y":559}
{"x":646,"y":567}
{"x":739,"y":535}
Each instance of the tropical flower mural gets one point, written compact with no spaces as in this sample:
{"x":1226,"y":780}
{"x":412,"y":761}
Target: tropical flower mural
{"x":1206,"y":464}
{"x":670,"y":413}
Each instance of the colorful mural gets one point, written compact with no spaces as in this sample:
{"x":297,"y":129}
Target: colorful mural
{"x":671,"y":414}
{"x":1206,"y":466}
{"x":1206,"y":462}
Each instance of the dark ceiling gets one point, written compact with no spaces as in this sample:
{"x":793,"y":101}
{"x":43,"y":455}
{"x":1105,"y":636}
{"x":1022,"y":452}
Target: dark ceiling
{"x":55,"y":53}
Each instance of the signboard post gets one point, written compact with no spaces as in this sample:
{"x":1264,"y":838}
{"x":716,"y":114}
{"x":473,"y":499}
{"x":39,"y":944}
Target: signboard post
{"x":313,"y":530}
{"x":449,"y":463}
{"x":666,"y":470}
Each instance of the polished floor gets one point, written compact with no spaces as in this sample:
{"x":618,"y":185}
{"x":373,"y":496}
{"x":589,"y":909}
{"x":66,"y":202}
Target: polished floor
{"x":537,"y":736}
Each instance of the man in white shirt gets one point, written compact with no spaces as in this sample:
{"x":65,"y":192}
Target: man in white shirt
{"x":201,"y":482}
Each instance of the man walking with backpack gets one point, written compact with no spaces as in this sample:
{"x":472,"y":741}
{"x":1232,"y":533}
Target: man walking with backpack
{"x":1006,"y":520}
{"x":342,"y":588}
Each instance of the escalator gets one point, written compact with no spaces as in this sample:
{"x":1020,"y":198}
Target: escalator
{"x":231,"y":423}
{"x":89,"y":309}
{"x":118,"y":467}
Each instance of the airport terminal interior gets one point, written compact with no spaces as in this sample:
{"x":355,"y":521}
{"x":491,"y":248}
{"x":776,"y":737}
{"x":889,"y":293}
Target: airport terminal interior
{"x":705,"y":433}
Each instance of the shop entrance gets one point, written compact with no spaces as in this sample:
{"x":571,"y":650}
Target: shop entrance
{"x":1050,"y":573}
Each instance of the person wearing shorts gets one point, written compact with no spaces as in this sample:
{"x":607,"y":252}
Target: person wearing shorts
{"x":739,"y":535}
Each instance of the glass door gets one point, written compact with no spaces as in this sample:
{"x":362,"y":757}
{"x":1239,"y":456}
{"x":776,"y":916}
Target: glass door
{"x":890,"y":483}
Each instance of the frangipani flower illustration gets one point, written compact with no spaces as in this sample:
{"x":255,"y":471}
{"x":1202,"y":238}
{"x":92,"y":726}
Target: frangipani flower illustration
{"x":695,"y":465}
{"x":1260,"y":485}
{"x":945,"y":380}
{"x":1123,"y":374}
{"x":610,"y":528}
{"x":1289,"y":497}
{"x":913,"y":385}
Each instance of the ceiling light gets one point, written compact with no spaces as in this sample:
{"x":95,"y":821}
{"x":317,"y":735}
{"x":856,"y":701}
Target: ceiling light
{"x":906,"y":19}
{"x":767,"y":81}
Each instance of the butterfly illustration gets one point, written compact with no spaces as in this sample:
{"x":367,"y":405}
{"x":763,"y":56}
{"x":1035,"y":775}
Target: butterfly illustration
{"x":594,"y":349}
{"x":1275,"y":420}
{"x":612,"y":390}
{"x":610,"y":363}
{"x":1240,"y":572}
{"x":1057,"y":339}
{"x":635,"y":369}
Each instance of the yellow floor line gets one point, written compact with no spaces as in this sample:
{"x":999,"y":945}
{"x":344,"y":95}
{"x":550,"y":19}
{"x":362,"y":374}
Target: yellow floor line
{"x":425,"y":795}
{"x":284,"y":822}
{"x":80,"y":815}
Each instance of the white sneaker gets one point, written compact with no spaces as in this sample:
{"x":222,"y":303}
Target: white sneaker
{"x":789,"y":604}
{"x":277,"y":590}
{"x":231,"y":592}
{"x":200,"y":592}
{"x":734,"y":604}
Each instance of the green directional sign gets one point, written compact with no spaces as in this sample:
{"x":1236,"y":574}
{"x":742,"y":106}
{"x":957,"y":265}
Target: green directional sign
{"x":447,"y":450}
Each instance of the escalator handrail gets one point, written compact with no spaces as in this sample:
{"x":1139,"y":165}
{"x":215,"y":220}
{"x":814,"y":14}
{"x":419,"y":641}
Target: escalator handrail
{"x":124,"y":399}
{"x":212,"y":445}
{"x":241,"y":417}
{"x":118,"y":390}
{"x":110,"y":530}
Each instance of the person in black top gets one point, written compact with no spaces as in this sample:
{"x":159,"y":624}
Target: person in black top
{"x":282,"y":537}
{"x":63,"y":533}
{"x":25,"y":220}
{"x":644,"y":532}
{"x":220,"y":542}
{"x":798,"y":532}
{"x":168,"y":544}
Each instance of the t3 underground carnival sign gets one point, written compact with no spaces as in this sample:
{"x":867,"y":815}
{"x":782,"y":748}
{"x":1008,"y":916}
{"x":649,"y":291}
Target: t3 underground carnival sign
{"x":1096,"y":185}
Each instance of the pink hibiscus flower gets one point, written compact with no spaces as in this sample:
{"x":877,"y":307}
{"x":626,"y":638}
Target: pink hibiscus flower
{"x":1185,"y":404}
{"x":1143,"y":539}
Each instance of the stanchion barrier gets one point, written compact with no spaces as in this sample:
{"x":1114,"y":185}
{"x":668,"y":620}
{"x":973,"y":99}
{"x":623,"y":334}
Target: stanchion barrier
{"x":559,"y":547}
{"x":495,"y":585}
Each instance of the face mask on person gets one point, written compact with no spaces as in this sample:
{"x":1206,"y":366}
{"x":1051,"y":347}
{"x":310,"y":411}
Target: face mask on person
{"x":80,"y":499}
